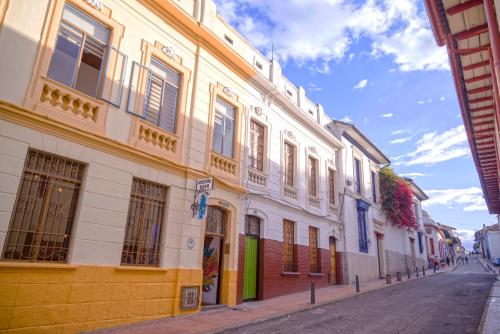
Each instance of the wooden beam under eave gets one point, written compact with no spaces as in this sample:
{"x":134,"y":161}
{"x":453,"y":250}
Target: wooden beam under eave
{"x":463,"y":6}
{"x":477,"y":30}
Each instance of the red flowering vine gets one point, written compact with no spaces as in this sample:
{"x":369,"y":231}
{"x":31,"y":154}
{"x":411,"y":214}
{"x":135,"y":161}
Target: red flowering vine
{"x":397,"y":198}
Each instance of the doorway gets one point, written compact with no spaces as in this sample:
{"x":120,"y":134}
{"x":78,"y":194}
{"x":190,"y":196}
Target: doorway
{"x":250,"y":268}
{"x":413,"y":254}
{"x":380,"y":255}
{"x":333,"y":261}
{"x":213,"y":255}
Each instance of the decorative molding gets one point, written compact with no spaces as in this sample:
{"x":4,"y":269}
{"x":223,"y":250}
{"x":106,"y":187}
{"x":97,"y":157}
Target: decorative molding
{"x":330,"y":162}
{"x":258,"y":111}
{"x":313,"y":149}
{"x":289,"y":134}
{"x":228,"y":91}
{"x":169,"y":51}
{"x":95,"y":3}
{"x":266,"y":99}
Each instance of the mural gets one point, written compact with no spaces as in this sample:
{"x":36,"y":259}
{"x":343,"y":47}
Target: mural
{"x":211,"y":258}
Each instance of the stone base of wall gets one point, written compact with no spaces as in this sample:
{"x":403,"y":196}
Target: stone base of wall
{"x":363,"y":265}
{"x":399,"y":262}
{"x":72,"y":299}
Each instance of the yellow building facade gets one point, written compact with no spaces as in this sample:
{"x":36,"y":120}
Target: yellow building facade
{"x":109,"y":113}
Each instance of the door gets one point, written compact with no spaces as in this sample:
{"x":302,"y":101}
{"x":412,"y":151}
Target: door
{"x":213,"y":252}
{"x":251,"y":260}
{"x":250,"y":268}
{"x":333,"y":267}
{"x":413,"y":255}
{"x":380,"y":255}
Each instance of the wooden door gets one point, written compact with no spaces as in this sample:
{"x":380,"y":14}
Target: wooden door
{"x":250,"y":268}
{"x":333,"y":267}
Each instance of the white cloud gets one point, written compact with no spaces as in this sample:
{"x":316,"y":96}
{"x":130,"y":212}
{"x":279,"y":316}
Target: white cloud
{"x":413,"y":175}
{"x":387,"y":115}
{"x":442,"y":98}
{"x":433,"y":147}
{"x":316,"y":32}
{"x":400,"y":140}
{"x":361,"y":85}
{"x":398,"y":132}
{"x":314,"y":88}
{"x":347,"y":119}
{"x":365,"y":120}
{"x":421,"y":102}
{"x":465,"y":235}
{"x":469,"y":199}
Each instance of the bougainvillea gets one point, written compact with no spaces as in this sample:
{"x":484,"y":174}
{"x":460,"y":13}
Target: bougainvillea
{"x":397,"y":199}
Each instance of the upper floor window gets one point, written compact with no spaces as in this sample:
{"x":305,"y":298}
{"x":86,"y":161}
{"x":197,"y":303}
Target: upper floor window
{"x":42,"y":222}
{"x":313,"y":176}
{"x":331,"y":186}
{"x":162,"y":95}
{"x":79,"y":57}
{"x":374,"y":186}
{"x":357,"y":176}
{"x":256,"y":154}
{"x":224,"y":124}
{"x":289,"y":161}
{"x":415,"y":209}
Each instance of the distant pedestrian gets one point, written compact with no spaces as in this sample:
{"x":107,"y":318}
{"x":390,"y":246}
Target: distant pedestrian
{"x":436,"y":264}
{"x":448,"y":261}
{"x":463,"y":260}
{"x":466,"y":260}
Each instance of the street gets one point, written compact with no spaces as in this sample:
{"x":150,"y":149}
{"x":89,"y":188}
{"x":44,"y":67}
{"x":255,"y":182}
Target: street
{"x":447,"y":303}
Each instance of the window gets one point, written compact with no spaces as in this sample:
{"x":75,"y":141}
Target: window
{"x":415,"y":209}
{"x":362,"y":234}
{"x":256,"y":154}
{"x":331,"y":186}
{"x":289,"y":164}
{"x":228,"y":39}
{"x":314,"y":262}
{"x":162,"y":93}
{"x":41,"y":224}
{"x":432,"y":246}
{"x":312,"y":176}
{"x":144,"y":224}
{"x":374,"y":186}
{"x":223,"y":136}
{"x":289,"y":263}
{"x":420,"y":243}
{"x":357,"y":176}
{"x":258,"y":65}
{"x":79,"y":56}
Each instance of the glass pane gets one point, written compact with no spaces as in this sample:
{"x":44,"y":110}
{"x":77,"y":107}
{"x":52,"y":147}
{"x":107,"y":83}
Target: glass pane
{"x":90,"y":67}
{"x":228,"y":138}
{"x":86,"y":23}
{"x":114,"y":77}
{"x":64,"y":60}
{"x":168,"y":112}
{"x":154,"y":98}
{"x":218,"y":132}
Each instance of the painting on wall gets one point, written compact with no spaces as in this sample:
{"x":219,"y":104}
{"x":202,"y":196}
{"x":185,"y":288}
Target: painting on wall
{"x":211,"y":263}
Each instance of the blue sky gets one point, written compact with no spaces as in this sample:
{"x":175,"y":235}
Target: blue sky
{"x":375,"y":63}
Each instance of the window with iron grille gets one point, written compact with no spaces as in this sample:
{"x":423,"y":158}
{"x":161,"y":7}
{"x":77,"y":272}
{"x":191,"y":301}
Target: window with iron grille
{"x":331,"y":186}
{"x":420,"y":243}
{"x":80,"y":52}
{"x":314,"y":262}
{"x":224,"y":123}
{"x":289,"y":163}
{"x":362,"y":233}
{"x":357,"y":176}
{"x":144,"y":223}
{"x":289,"y":259}
{"x":161,"y":96}
{"x":374,"y":187}
{"x":41,"y":224}
{"x":313,"y":163}
{"x":256,"y":154}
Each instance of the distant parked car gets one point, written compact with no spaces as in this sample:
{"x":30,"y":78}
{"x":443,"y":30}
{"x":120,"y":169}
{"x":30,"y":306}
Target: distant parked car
{"x":496,"y":261}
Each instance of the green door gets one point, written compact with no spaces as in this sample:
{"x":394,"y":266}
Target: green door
{"x":250,"y":269}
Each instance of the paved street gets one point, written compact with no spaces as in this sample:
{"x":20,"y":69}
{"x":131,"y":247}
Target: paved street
{"x":448,"y":303}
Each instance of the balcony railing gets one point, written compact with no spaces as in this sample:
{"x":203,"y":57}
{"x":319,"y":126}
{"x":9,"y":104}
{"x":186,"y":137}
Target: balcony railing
{"x":223,"y":164}
{"x":314,"y":201}
{"x":289,"y":191}
{"x":257,"y":177}
{"x":332,"y":208}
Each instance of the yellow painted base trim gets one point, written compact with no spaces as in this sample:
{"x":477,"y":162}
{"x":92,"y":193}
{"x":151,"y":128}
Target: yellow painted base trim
{"x":43,"y":298}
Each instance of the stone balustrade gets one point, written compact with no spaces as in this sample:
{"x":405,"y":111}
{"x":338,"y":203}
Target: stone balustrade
{"x":223,"y":164}
{"x":257,"y":177}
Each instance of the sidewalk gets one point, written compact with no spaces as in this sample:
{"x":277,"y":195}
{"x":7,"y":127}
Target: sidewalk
{"x":251,"y":312}
{"x":491,"y":320}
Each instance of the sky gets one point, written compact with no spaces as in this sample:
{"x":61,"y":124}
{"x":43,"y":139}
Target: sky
{"x":375,"y":63}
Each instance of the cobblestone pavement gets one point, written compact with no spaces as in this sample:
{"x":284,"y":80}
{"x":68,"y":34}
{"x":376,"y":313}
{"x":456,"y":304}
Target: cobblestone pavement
{"x":452,"y":302}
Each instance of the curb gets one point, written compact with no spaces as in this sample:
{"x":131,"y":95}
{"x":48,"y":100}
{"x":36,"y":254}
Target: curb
{"x":311,"y":307}
{"x":482,"y":322}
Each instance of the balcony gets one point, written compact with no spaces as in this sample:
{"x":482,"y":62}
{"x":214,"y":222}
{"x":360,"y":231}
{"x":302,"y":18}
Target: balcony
{"x":314,"y":201}
{"x":223,"y":164}
{"x":154,"y":140}
{"x":332,"y":208}
{"x":71,"y":107}
{"x":257,"y":177}
{"x":289,"y":191}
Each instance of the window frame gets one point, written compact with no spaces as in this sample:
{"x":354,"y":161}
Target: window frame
{"x":290,"y":266}
{"x":374,"y":183}
{"x":285,"y":178}
{"x":331,"y":185}
{"x":357,"y":182}
{"x":310,"y":178}
{"x":264,"y":144}
{"x":314,"y":252}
